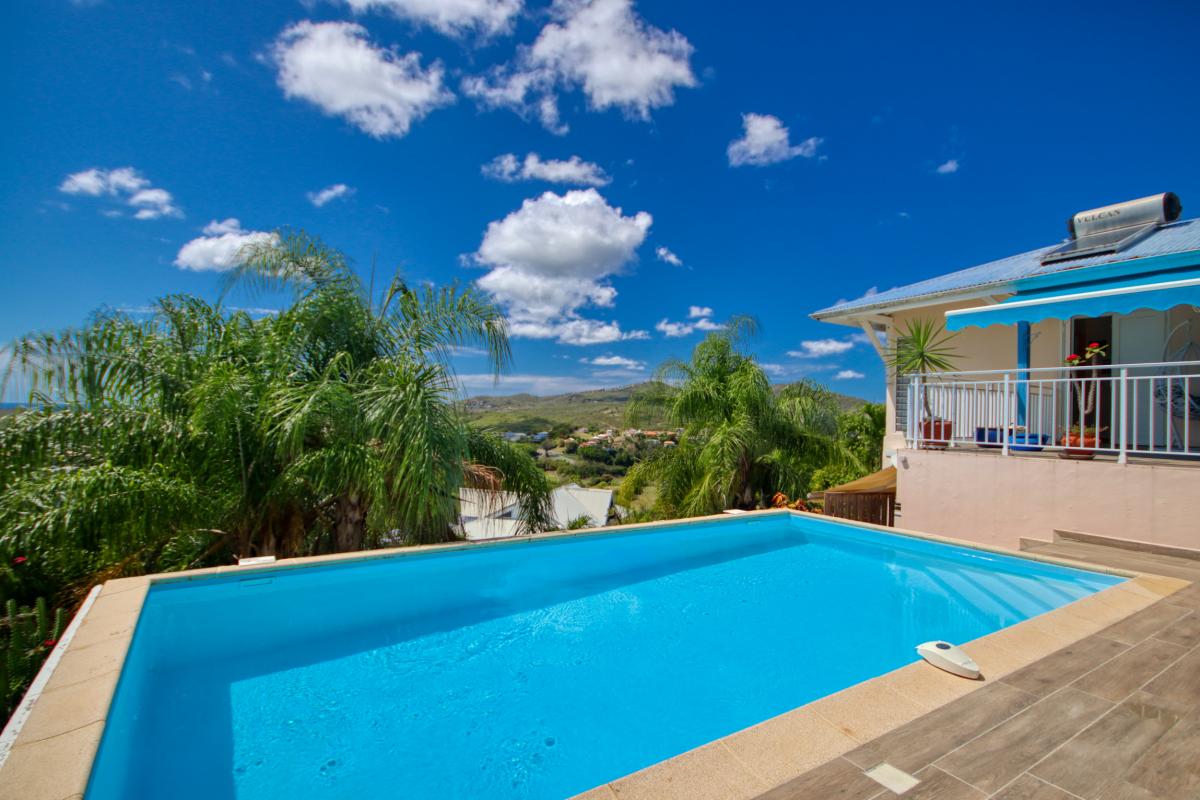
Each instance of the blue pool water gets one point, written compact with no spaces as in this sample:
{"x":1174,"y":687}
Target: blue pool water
{"x":530,"y":670}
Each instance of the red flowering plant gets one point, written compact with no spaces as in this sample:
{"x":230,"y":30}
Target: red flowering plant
{"x":1084,"y":386}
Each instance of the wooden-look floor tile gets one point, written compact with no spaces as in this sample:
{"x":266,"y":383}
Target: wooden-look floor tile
{"x":924,"y":740}
{"x":1127,"y":791}
{"x":1170,"y":770}
{"x":938,"y":785}
{"x":1187,"y":598}
{"x":1180,"y":682}
{"x":1144,"y":624}
{"x":835,"y":780}
{"x":1028,"y":787}
{"x":1127,"y":673}
{"x":1000,"y":755}
{"x":1099,"y":756}
{"x":1060,"y":668}
{"x":1184,"y":632}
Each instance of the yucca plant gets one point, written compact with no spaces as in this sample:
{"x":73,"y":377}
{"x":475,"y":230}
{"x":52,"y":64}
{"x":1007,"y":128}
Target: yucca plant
{"x":922,"y":347}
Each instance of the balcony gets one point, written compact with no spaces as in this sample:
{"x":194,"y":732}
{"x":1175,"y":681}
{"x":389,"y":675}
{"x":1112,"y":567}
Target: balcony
{"x":1125,"y":411}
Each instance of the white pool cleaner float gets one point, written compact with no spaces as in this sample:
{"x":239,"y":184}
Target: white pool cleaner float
{"x":951,"y":658}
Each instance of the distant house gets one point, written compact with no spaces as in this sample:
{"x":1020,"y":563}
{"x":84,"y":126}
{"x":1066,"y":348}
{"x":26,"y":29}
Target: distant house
{"x":485,"y":514}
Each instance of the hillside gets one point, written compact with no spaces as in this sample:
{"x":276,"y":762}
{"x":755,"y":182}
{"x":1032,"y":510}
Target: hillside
{"x":599,"y":408}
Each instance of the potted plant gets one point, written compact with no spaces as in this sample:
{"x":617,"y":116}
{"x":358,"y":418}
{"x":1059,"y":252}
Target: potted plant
{"x":923,"y":348}
{"x":1080,"y":439}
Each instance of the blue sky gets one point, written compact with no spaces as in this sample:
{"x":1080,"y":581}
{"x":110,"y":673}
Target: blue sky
{"x":784,"y":155}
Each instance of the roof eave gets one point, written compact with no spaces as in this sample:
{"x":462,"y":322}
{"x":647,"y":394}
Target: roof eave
{"x":850,"y":316}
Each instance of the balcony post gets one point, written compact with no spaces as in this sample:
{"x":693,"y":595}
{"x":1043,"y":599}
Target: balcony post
{"x":1023,"y":339}
{"x":1123,"y":442}
{"x":1006,"y":417}
{"x":914,"y":391}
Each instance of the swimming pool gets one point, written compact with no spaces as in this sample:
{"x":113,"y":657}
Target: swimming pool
{"x":536,"y":669}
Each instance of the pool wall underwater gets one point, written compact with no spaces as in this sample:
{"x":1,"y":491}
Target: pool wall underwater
{"x":529,"y":659}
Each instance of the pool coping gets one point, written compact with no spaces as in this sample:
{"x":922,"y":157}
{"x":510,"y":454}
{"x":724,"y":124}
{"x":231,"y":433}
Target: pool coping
{"x":54,"y":744}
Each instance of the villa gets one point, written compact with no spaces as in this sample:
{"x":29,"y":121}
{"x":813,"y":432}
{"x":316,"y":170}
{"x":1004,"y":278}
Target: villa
{"x":991,"y":451}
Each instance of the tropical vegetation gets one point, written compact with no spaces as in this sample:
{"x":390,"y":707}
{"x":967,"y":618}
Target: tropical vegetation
{"x":199,"y":433}
{"x":742,"y":442}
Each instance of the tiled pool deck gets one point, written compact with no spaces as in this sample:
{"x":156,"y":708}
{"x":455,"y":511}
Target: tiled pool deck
{"x":1123,"y":664}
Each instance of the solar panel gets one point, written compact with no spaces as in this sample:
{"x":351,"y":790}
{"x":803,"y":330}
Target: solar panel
{"x":1111,"y":241}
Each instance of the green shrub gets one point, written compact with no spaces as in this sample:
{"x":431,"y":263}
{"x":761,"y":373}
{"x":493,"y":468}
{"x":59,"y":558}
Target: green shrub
{"x":26,"y":636}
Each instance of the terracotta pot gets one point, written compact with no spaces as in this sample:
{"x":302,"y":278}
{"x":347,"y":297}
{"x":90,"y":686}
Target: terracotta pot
{"x":1072,"y":440}
{"x":935,"y":433}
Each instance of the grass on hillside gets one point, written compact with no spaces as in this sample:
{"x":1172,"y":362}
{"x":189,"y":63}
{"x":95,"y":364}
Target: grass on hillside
{"x":599,"y":409}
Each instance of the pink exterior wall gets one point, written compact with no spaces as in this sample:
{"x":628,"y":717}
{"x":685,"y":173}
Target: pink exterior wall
{"x":986,"y":497}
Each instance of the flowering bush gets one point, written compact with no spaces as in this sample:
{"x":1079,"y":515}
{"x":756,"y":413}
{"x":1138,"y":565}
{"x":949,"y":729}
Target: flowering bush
{"x":1085,"y":390}
{"x":1093,"y":350}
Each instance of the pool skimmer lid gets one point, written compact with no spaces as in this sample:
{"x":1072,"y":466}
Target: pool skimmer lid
{"x":951,"y":658}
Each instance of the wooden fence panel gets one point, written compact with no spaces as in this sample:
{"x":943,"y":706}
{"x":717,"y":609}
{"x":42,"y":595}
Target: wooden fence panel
{"x":878,"y":508}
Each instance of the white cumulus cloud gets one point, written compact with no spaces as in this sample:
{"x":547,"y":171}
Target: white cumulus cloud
{"x":765,"y":140}
{"x":574,"y":170}
{"x":451,"y":17}
{"x":848,"y":375}
{"x":614,"y":361}
{"x":699,"y":319}
{"x":329,"y":193}
{"x":673,"y":330}
{"x":820,"y":348}
{"x":947,"y":167}
{"x":666,"y":255}
{"x":125,"y":184}
{"x":485,"y":383}
{"x":336,"y":68}
{"x":603,"y":48}
{"x":553,"y":257}
{"x":221,"y":246}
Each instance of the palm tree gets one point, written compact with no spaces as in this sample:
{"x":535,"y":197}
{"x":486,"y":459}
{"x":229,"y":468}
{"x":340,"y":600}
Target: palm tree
{"x":163,"y":443}
{"x":742,"y":442}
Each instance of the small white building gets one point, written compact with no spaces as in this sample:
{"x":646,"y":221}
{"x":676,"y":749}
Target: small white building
{"x":485,"y":514}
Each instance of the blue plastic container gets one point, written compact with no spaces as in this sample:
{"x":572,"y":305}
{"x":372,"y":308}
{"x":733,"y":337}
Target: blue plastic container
{"x":1027,"y":442}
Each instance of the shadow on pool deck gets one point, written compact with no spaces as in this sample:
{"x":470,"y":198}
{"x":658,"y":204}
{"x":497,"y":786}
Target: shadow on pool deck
{"x":1114,"y":716}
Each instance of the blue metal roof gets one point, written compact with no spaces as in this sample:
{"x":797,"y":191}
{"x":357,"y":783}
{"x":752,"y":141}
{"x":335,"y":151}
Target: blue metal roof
{"x":1173,"y":238}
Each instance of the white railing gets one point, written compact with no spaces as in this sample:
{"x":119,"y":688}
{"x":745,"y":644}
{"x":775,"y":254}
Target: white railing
{"x":1126,"y":409}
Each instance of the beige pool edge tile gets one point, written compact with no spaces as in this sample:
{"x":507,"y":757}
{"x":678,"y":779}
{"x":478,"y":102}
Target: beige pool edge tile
{"x":1159,"y":585}
{"x":867,"y":710}
{"x":51,"y":769}
{"x":601,"y":792}
{"x":710,"y":772}
{"x":118,"y":585}
{"x":927,"y":686}
{"x":64,"y":709}
{"x":787,"y":745}
{"x":111,"y":604}
{"x":82,"y":663}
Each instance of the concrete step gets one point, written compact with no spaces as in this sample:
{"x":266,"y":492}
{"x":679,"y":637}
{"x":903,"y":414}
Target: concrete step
{"x":1120,"y":558}
{"x":1029,"y":544}
{"x":1127,"y":544}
